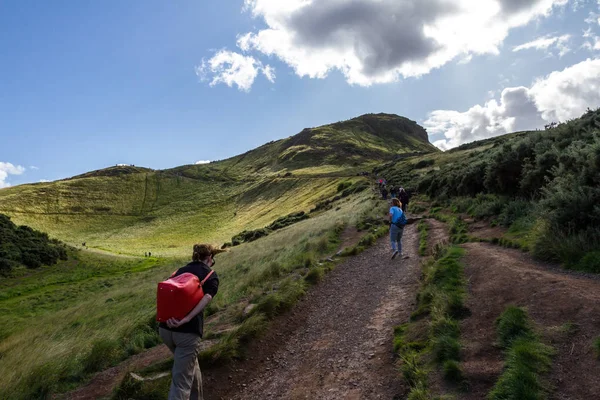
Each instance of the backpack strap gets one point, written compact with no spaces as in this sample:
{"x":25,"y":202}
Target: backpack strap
{"x":206,"y":278}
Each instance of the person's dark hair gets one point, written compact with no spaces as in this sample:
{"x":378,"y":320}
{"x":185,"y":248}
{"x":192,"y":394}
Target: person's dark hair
{"x":201,"y":251}
{"x":396,"y":202}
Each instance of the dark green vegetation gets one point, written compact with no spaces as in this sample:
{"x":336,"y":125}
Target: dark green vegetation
{"x":596,"y":347}
{"x":423,"y":228}
{"x":543,"y":185}
{"x":282,"y":222}
{"x":526,"y":358}
{"x":432,"y":336}
{"x":26,"y":246}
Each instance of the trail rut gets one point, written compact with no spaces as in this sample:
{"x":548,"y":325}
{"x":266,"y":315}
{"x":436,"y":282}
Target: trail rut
{"x":337,"y":342}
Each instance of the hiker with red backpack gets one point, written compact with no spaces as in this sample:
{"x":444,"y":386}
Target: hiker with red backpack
{"x":182,"y":334}
{"x":397,"y":223}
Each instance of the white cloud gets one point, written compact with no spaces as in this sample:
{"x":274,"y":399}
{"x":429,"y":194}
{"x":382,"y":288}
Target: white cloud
{"x":233,"y":68}
{"x":44,"y":180}
{"x":543,"y":43}
{"x":33,"y":167}
{"x":559,"y":96}
{"x":593,"y":39}
{"x":6,"y":169}
{"x":593,"y":19}
{"x":202,"y":162}
{"x":378,"y":41}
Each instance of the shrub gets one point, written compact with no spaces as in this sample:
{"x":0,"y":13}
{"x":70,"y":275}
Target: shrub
{"x":526,"y":359}
{"x":288,"y":220}
{"x":314,"y":275}
{"x":21,"y":244}
{"x":596,"y":347}
{"x":589,"y":263}
{"x":513,"y":211}
{"x":6,"y":266}
{"x":446,"y":347}
{"x":513,"y":323}
{"x":343,"y":185}
{"x":104,"y":353}
{"x":424,"y":164}
{"x":452,"y":371}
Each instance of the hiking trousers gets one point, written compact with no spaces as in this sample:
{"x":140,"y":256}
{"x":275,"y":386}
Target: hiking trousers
{"x":186,"y":382}
{"x":396,"y":237}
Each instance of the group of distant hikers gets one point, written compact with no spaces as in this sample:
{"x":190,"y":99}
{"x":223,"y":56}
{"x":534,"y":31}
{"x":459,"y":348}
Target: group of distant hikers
{"x":397,"y":214}
{"x":182,"y":335}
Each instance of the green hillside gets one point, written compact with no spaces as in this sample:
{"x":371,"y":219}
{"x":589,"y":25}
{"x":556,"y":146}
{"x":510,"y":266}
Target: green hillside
{"x":543,"y":186}
{"x":132,"y":210}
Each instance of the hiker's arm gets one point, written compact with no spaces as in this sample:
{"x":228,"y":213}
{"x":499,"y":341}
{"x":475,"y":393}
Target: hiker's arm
{"x":174,"y":323}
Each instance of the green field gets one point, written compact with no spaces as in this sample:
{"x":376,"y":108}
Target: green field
{"x":60,"y":324}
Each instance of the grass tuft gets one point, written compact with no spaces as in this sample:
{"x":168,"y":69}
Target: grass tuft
{"x":526,"y":359}
{"x":512,"y":324}
{"x":596,"y":347}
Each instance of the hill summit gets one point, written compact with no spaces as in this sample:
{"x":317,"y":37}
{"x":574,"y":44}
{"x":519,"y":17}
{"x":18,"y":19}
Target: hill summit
{"x":360,"y":141}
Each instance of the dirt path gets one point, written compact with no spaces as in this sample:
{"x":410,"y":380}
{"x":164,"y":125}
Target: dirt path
{"x":498,"y":277}
{"x":337,"y":342}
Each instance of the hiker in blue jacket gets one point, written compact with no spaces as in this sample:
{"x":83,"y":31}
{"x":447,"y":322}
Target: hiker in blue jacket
{"x":397,"y":223}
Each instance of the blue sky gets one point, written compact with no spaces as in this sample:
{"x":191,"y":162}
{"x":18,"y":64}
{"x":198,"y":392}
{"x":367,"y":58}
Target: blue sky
{"x":89,"y":84}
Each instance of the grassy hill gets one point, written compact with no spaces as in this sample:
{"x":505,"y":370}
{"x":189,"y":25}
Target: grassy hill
{"x":95,"y":309}
{"x":543,"y":186}
{"x":59,"y":324}
{"x":132,"y":210}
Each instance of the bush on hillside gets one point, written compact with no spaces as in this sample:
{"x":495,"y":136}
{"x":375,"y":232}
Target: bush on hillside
{"x":551,"y":176}
{"x":424,"y":164}
{"x":252,"y":235}
{"x":26,"y":246}
{"x":288,"y":220}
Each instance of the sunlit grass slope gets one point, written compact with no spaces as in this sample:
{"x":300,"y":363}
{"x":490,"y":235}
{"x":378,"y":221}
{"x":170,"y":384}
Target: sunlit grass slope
{"x":50,"y":321}
{"x":132,"y":210}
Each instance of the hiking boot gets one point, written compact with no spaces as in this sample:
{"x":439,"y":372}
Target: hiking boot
{"x":394,"y":254}
{"x":405,"y":256}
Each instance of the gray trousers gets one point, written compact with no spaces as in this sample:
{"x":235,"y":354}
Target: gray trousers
{"x":186,"y":383}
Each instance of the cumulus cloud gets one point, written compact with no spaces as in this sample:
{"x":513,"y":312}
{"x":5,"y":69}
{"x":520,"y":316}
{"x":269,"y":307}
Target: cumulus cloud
{"x":6,"y":169}
{"x":378,"y":41}
{"x":544,"y":43}
{"x":44,"y":180}
{"x":559,"y":96}
{"x":202,"y":162}
{"x":233,"y":68}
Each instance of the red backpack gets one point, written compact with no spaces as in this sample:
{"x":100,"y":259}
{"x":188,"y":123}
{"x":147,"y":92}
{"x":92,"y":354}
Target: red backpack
{"x":178,"y":295}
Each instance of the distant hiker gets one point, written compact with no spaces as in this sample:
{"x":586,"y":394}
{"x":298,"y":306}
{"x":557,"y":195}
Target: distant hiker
{"x":83,"y":244}
{"x":397,"y":223}
{"x":183,"y":336}
{"x":404,"y":198}
{"x":380,"y":183}
{"x":384,"y":193}
{"x":393,"y":191}
{"x":149,"y":254}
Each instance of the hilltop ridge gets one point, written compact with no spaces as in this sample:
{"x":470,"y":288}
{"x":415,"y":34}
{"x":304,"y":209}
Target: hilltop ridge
{"x":364,"y":140}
